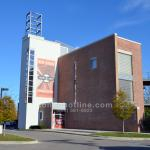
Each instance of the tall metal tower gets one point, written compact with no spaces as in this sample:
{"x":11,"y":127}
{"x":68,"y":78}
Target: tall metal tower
{"x":33,"y":23}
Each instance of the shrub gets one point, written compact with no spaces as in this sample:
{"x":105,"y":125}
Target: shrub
{"x":38,"y":127}
{"x":146,"y":124}
{"x":147,"y":112}
{"x":35,"y":127}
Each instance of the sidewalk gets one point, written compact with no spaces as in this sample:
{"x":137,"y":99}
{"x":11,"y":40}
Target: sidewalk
{"x":91,"y":133}
{"x":18,"y":142}
{"x":71,"y":131}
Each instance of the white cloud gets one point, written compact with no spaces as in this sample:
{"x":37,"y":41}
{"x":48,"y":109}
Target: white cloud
{"x":136,"y":4}
{"x":126,"y":23}
{"x":135,"y":18}
{"x":120,"y":24}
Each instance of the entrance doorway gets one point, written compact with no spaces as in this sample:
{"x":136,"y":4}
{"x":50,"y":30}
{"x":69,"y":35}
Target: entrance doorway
{"x":58,"y":119}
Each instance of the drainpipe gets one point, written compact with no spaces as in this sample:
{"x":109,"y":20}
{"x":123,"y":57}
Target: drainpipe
{"x":75,"y":81}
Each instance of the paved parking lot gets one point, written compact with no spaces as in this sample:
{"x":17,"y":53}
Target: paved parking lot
{"x":61,"y":141}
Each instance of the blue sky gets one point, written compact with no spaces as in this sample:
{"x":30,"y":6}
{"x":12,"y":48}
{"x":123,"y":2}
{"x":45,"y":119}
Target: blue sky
{"x":75,"y":22}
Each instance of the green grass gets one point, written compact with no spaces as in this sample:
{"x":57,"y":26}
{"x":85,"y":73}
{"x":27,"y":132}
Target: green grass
{"x":10,"y":137}
{"x":126,"y":134}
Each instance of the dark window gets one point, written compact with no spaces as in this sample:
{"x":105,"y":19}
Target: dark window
{"x":29,"y":99}
{"x":41,"y":115}
{"x":31,"y":68}
{"x":30,"y":88}
{"x":31,"y":57}
{"x":31,"y":78}
{"x":93,"y":63}
{"x":31,"y":62}
{"x":30,"y":73}
{"x":30,"y":83}
{"x":31,"y":52}
{"x":29,"y":94}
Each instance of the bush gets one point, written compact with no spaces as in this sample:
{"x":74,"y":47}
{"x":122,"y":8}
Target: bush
{"x":43,"y":127}
{"x":147,"y":112}
{"x":38,"y":127}
{"x":35,"y":127}
{"x":146,"y":124}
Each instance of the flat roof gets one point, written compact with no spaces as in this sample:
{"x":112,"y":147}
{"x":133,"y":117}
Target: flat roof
{"x":129,"y":40}
{"x":114,"y":34}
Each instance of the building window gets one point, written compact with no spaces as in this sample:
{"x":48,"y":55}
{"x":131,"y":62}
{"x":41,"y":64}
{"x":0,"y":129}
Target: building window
{"x":125,"y":66}
{"x":41,"y":115}
{"x":30,"y":75}
{"x":147,"y":95}
{"x":125,"y":74}
{"x":93,"y":63}
{"x":127,"y":87}
{"x":26,"y":74}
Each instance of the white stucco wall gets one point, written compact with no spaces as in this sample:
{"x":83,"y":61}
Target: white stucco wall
{"x":44,"y":49}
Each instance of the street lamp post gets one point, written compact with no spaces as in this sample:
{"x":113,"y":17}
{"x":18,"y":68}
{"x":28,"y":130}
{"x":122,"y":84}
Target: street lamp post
{"x":2,"y":90}
{"x":1,"y":94}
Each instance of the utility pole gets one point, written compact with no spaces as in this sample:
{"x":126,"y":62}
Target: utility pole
{"x":1,"y":94}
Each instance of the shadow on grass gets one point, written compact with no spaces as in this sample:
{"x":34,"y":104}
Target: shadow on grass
{"x":124,"y":148}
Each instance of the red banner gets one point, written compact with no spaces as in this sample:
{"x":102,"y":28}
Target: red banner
{"x":45,"y":78}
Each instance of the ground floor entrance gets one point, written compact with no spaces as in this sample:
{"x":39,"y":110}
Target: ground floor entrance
{"x":52,"y":115}
{"x":58,"y":119}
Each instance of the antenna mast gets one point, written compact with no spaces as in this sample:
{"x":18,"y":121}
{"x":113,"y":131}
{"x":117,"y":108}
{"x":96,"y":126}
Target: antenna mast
{"x":33,"y":23}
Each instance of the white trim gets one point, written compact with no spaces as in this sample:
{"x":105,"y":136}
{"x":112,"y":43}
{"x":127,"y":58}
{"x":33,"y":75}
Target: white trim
{"x":124,"y":52}
{"x":129,"y":40}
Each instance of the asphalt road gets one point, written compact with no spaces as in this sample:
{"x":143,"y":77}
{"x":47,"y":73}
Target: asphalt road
{"x":60,"y":141}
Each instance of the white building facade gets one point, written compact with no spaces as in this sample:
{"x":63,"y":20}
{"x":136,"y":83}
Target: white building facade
{"x":38,"y":82}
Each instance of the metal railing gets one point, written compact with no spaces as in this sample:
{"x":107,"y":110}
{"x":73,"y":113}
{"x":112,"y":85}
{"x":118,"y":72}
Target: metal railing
{"x":146,"y":78}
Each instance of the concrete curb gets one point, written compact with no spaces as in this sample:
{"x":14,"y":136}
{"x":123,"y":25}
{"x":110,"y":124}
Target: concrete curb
{"x":108,"y":137}
{"x":17,"y":142}
{"x":120,"y":138}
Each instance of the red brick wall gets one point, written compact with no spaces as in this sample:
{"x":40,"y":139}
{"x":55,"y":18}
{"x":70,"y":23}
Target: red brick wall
{"x":135,"y":49}
{"x":93,"y":86}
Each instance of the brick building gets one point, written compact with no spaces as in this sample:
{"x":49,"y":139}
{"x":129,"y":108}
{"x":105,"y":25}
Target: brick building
{"x":93,"y":74}
{"x":63,"y":87}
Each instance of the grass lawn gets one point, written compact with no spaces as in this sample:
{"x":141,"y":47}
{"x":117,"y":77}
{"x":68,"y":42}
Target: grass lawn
{"x":10,"y":137}
{"x":126,"y":134}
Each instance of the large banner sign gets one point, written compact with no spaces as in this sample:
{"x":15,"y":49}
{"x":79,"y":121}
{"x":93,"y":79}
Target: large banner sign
{"x":45,"y":78}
